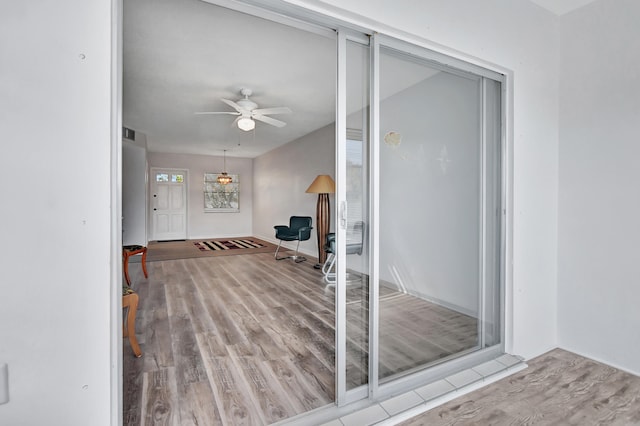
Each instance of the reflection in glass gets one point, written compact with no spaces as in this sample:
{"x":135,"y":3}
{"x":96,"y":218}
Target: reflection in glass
{"x":431,"y":215}
{"x":357,"y":185}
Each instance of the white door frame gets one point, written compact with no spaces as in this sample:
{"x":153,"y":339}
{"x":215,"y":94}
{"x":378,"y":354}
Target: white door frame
{"x":152,"y":182}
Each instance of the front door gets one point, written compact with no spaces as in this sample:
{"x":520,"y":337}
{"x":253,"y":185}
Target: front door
{"x":168,"y":204}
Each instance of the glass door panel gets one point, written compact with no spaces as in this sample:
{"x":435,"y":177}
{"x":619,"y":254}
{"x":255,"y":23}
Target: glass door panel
{"x":431,"y":213}
{"x":356,"y":216}
{"x":352,"y":274}
{"x":419,"y":216}
{"x":351,"y":279}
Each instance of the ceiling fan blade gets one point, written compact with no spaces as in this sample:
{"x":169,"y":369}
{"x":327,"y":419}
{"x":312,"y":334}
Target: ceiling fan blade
{"x":232,"y":104}
{"x":269,"y":120}
{"x":217,"y":112}
{"x":275,"y":110}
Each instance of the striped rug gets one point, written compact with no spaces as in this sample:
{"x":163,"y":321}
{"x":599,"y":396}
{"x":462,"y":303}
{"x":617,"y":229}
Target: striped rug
{"x":226,"y":244}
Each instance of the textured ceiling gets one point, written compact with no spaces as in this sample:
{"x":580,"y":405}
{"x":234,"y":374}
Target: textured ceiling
{"x":182,"y":56}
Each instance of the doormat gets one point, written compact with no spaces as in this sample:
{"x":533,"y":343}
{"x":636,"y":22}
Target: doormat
{"x":226,"y":245}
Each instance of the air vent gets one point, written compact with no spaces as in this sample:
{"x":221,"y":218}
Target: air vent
{"x":128,"y":134}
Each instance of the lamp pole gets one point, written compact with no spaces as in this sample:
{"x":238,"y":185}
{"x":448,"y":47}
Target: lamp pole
{"x":323,"y":219}
{"x":323,"y":185}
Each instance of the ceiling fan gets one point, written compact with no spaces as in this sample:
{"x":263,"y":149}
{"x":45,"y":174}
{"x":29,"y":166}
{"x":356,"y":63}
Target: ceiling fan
{"x":248,"y":111}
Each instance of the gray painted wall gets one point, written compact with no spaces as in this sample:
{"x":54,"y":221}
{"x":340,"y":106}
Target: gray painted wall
{"x":523,"y":39}
{"x":211,"y":225}
{"x":429,"y":190}
{"x":134,"y":191}
{"x":56,"y":329}
{"x":599,"y":214}
{"x":281,"y":178}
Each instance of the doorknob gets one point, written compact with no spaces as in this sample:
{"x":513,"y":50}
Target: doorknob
{"x":154,"y":209}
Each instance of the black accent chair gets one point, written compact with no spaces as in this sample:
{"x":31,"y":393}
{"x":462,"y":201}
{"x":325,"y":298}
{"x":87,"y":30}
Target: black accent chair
{"x":299,"y":229}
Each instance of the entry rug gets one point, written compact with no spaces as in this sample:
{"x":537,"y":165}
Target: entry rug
{"x":226,"y":245}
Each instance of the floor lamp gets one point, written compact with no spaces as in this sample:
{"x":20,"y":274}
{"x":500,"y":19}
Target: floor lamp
{"x":322,"y":185}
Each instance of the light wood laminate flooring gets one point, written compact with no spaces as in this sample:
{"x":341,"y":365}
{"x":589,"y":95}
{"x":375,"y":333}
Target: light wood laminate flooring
{"x":558,"y":388}
{"x":248,"y":340}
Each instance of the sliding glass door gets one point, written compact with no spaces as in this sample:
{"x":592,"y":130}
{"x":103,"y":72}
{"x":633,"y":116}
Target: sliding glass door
{"x":430,"y":188}
{"x":353,"y":263}
{"x":419,"y":213}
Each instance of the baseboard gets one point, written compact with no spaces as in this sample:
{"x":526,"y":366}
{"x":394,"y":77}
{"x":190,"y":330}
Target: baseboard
{"x":434,"y":300}
{"x":600,"y":360}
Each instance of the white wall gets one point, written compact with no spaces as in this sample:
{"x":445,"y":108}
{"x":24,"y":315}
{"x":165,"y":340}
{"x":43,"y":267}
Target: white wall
{"x":281,"y":178}
{"x":212,"y":225}
{"x":599,"y":221}
{"x":429,"y":229}
{"x":522,"y":37}
{"x":55,"y":122}
{"x":55,"y":108}
{"x":134,"y":191}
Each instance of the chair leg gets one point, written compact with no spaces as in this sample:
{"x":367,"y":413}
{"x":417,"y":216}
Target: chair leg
{"x":297,"y":258}
{"x":125,"y":267}
{"x":328,"y":264}
{"x":144,"y":263}
{"x":130,"y":301}
{"x":276,"y":255}
{"x":331,"y":278}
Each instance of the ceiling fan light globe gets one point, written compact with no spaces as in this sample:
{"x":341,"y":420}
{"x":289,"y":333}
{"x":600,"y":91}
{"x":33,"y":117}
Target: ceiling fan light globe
{"x":246,"y":124}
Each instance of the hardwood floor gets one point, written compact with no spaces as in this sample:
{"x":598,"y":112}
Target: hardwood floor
{"x":247,"y":340}
{"x":224,"y":343}
{"x":558,"y":388}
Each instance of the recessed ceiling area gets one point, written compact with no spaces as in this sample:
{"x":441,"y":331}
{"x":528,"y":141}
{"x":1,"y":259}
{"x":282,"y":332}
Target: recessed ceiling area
{"x":183,"y":56}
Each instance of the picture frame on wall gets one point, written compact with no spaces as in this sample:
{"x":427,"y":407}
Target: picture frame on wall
{"x":219,"y":198}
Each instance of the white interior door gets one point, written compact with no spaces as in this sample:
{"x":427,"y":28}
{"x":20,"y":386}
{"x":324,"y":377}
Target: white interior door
{"x":169,"y":204}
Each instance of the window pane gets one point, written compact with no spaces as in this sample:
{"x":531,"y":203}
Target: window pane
{"x":162,"y":177}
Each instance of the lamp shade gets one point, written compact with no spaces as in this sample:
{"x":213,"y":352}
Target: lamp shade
{"x":323,"y":184}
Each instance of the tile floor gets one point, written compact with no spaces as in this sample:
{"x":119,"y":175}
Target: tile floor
{"x":391,"y":411}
